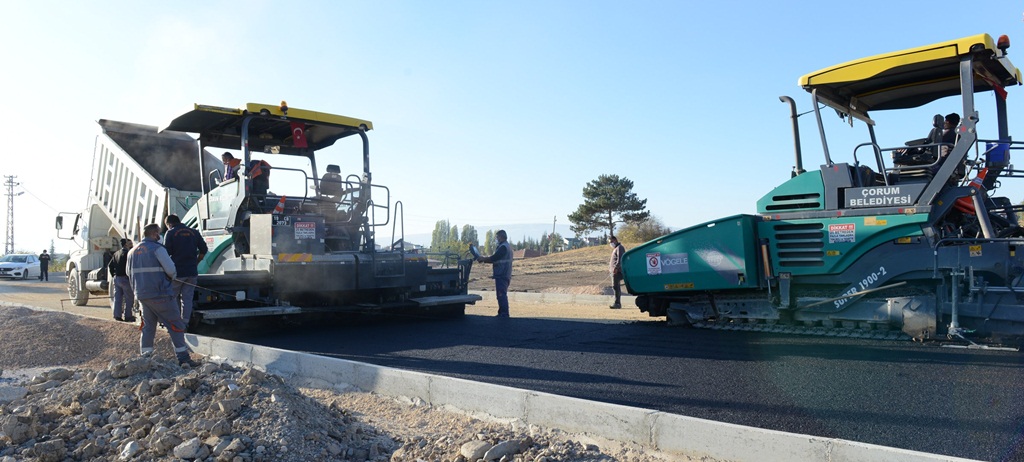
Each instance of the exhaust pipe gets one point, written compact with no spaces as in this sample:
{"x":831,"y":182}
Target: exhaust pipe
{"x":799,"y":167}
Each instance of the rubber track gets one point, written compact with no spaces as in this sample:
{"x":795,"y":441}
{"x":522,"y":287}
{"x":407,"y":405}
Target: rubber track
{"x":804,"y":330}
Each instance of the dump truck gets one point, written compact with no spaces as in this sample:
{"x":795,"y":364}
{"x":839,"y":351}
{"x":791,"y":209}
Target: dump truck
{"x":130,"y":184}
{"x":906,"y":241}
{"x":288,"y":233}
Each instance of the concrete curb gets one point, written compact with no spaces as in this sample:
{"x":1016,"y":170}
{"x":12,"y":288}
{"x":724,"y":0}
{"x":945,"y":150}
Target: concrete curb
{"x":565,"y":299}
{"x":701,"y":439}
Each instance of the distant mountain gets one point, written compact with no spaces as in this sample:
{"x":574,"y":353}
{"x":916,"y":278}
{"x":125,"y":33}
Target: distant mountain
{"x":516,"y":233}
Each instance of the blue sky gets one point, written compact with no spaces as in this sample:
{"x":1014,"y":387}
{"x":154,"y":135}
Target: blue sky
{"x":485,"y":113}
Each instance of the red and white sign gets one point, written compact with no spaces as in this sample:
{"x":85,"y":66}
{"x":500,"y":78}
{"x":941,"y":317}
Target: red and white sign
{"x":844,"y":232}
{"x":305,"y":230}
{"x":654,"y":263}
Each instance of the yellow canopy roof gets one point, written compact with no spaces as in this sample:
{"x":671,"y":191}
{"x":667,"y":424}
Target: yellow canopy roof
{"x":910,"y":78}
{"x":221,"y":127}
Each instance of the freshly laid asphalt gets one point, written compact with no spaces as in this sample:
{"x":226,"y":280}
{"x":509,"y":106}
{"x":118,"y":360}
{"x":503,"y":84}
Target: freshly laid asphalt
{"x":963,"y":403}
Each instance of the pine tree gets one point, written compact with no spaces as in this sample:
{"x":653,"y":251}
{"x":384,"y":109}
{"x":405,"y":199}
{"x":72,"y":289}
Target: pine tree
{"x":606,"y":201}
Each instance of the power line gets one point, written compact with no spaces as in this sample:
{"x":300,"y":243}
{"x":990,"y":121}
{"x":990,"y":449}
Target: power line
{"x":38,"y":199}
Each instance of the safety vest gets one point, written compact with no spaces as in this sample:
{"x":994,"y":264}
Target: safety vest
{"x":258,"y":167}
{"x":503,"y":267}
{"x":231,"y":169}
{"x":147,"y":276}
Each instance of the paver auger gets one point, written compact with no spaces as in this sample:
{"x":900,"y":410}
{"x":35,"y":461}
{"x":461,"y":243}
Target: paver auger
{"x":906,"y":241}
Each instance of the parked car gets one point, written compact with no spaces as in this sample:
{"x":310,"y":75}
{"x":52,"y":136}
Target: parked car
{"x":19,"y":266}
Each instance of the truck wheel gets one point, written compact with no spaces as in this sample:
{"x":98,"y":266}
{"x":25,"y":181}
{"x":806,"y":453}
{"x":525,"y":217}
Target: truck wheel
{"x":76,"y":289}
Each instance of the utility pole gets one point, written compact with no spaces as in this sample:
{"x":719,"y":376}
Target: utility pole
{"x":10,"y":184}
{"x":551,"y":240}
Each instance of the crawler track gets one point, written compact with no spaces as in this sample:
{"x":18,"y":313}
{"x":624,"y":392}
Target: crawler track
{"x":817,"y":331}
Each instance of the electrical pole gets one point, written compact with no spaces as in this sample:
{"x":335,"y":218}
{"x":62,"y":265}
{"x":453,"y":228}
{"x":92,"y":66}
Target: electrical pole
{"x":551,"y":241}
{"x":10,"y":184}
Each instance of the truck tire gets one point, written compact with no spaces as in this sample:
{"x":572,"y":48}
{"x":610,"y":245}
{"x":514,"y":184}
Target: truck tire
{"x":76,"y":289}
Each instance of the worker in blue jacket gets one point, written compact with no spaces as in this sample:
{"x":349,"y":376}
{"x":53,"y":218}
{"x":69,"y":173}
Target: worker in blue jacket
{"x":151,"y":271}
{"x":502,"y":271}
{"x":186,"y":248}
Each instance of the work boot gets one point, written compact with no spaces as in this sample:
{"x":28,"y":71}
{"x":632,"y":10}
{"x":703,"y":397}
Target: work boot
{"x":185,"y":360}
{"x":615,"y":306}
{"x":129,"y":319}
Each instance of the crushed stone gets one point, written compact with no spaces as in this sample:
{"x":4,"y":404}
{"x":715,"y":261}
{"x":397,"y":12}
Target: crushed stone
{"x":78,"y":390}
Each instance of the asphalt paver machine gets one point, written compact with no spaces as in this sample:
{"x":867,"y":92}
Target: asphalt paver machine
{"x":316,"y":248}
{"x":911,"y":241}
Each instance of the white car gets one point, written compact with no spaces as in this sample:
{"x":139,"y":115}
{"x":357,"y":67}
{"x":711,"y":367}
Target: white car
{"x":19,"y":266}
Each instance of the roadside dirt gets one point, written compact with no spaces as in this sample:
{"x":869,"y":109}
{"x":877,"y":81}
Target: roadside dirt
{"x":579,"y":271}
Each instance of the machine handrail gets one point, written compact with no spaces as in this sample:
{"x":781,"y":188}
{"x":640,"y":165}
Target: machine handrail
{"x":446,"y":256}
{"x":370,"y":204}
{"x":878,"y":158}
{"x":305,"y":193}
{"x":399,"y":215}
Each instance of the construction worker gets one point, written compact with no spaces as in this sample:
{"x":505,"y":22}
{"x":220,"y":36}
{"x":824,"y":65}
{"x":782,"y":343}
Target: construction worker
{"x":151,"y":271}
{"x":123,"y":298}
{"x":502,"y":271}
{"x":186,"y":248}
{"x":44,"y":266}
{"x":615,"y":268}
{"x":231,"y":165}
{"x":259,"y":173}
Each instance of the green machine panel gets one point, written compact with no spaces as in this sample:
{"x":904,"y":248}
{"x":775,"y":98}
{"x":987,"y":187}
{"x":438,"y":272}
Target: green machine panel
{"x":721,"y":254}
{"x":802,"y":192}
{"x":818,"y":246}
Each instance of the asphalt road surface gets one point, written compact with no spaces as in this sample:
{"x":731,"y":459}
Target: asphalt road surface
{"x":920,"y":397}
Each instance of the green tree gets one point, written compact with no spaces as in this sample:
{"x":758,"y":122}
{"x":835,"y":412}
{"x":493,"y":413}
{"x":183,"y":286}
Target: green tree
{"x":555,"y":243}
{"x":440,"y":236}
{"x":489,"y":242}
{"x":606,"y":201}
{"x":456,"y":245}
{"x":643,"y":231}
{"x":453,"y":235}
{"x":445,"y":238}
{"x":469,"y":235}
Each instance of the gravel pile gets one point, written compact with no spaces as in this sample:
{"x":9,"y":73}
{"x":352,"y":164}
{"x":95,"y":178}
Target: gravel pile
{"x":146,"y":409}
{"x":135,"y":408}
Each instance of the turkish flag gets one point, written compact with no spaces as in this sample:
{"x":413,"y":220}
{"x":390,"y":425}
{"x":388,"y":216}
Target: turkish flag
{"x":299,"y":135}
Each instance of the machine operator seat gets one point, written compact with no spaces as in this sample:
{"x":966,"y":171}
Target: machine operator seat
{"x":935,"y":135}
{"x":331,"y":183}
{"x":922,"y":156}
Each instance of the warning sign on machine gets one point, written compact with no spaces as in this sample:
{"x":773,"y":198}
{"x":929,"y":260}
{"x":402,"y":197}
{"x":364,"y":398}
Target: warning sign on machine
{"x":844,"y":232}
